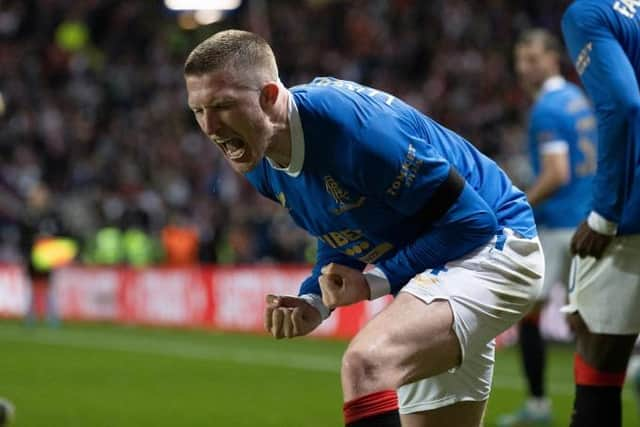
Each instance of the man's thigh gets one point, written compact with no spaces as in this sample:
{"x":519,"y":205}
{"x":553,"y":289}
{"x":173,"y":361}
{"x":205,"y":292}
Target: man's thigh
{"x":488,"y":291}
{"x":605,"y":352}
{"x":441,"y":327}
{"x":410,"y":339}
{"x":468,"y":382}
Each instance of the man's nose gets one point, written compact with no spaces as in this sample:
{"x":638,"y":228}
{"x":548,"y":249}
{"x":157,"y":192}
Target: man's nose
{"x":211,"y":122}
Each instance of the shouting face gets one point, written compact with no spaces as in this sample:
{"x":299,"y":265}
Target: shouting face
{"x":231,"y":114}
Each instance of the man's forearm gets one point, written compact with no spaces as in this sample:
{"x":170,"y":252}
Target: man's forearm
{"x":542,"y":190}
{"x":470,"y":221}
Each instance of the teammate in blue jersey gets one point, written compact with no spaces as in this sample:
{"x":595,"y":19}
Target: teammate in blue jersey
{"x":562,"y":137}
{"x":603,"y":39}
{"x":378,"y":183}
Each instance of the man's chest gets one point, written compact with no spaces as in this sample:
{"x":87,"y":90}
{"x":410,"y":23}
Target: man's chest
{"x":344,"y":218}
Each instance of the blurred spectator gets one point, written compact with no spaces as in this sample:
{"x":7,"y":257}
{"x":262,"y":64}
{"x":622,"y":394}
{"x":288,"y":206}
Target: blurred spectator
{"x":94,"y":104}
{"x":180,"y":242}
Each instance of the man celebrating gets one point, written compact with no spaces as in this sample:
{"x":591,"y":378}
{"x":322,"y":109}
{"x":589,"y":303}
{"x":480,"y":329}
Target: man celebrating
{"x":378,"y":183}
{"x":562,"y":137}
{"x":603,"y":39}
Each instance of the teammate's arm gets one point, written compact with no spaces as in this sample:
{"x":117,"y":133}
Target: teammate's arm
{"x":554,"y":173}
{"x":555,"y":169}
{"x":610,"y":81}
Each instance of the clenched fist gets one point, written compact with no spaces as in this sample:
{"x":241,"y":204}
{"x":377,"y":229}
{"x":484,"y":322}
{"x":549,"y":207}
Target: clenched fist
{"x":342,"y":285}
{"x":287,"y":316}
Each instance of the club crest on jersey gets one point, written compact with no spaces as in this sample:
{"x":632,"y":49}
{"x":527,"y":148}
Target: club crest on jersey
{"x":344,"y":201}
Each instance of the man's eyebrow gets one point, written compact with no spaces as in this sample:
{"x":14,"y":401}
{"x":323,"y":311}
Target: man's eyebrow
{"x":221,"y":100}
{"x":213,"y":103}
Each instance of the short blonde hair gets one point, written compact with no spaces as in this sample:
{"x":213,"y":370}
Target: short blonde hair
{"x":235,"y":50}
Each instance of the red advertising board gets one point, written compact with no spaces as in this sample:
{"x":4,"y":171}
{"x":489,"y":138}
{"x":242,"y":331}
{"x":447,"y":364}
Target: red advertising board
{"x":166,"y":296}
{"x":221,"y":298}
{"x":87,"y":293}
{"x":14,"y":291}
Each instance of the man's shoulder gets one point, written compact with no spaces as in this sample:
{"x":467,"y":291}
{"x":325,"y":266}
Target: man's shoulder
{"x":322,"y":107}
{"x":343,"y":109}
{"x":560,"y":104}
{"x":546,"y":107}
{"x":572,"y":93}
{"x":590,"y":9}
{"x":321,"y":93}
{"x":569,"y":103}
{"x":340,"y":96}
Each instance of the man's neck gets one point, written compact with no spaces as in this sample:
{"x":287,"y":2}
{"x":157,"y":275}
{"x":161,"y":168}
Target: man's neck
{"x":280,"y":152}
{"x":280,"y":148}
{"x":549,"y":83}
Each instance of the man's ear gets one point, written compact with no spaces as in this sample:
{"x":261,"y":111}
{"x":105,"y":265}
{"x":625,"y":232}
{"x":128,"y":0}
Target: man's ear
{"x":269,"y":95}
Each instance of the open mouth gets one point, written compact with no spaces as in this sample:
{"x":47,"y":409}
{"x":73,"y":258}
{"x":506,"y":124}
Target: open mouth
{"x":233,"y":147}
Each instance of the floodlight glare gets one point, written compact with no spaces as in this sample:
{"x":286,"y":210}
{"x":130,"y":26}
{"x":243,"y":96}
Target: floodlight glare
{"x":206,"y":17}
{"x":203,"y":4}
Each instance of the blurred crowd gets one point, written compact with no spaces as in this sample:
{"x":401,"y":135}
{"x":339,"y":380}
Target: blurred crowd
{"x":95,"y":134}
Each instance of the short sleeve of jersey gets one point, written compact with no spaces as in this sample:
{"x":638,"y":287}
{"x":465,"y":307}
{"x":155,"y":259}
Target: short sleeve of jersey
{"x":546,"y":131}
{"x":392,"y":163}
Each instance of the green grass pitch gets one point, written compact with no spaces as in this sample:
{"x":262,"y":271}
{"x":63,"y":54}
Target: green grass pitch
{"x":108,"y":376}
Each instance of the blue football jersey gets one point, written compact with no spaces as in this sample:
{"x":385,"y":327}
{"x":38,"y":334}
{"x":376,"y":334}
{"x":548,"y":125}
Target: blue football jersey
{"x":377,"y":182}
{"x":562,"y":119}
{"x":603,"y":40}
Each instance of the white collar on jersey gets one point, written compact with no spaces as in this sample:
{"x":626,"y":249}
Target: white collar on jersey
{"x":553,"y":83}
{"x":297,"y":142}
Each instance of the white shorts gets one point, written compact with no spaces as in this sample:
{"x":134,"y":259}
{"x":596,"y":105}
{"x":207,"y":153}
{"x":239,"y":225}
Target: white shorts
{"x":489,"y":290}
{"x":606,"y":292}
{"x":556,"y":243}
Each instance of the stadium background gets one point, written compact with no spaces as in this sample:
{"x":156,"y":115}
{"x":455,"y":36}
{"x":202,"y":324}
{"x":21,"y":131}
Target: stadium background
{"x":97,"y":145}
